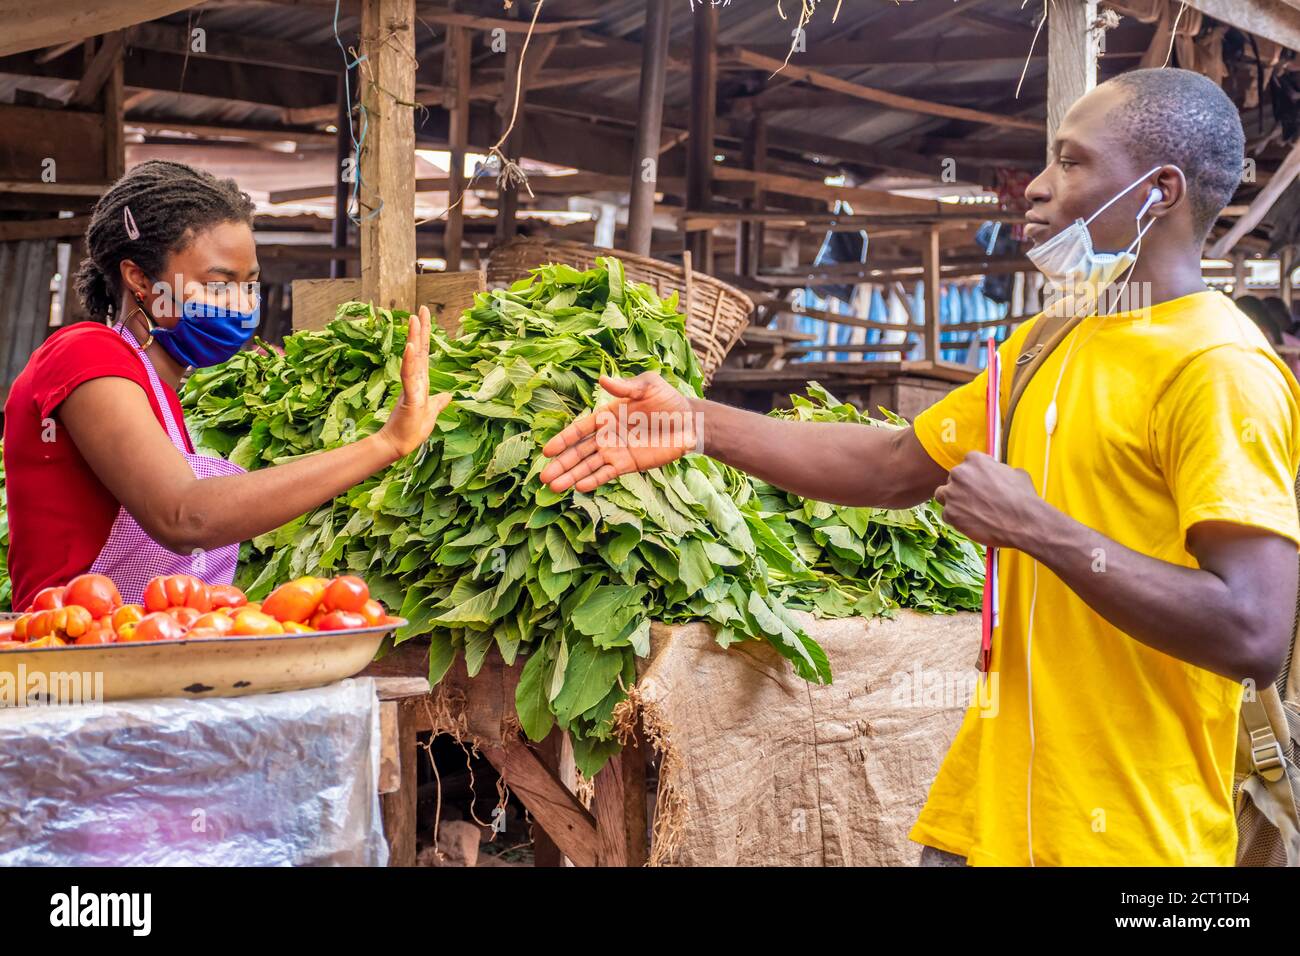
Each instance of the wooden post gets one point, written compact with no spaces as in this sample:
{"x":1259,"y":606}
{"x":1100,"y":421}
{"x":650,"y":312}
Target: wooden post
{"x":749,"y":238}
{"x":1285,"y":265}
{"x":342,"y":186}
{"x":1238,"y":274}
{"x":619,"y":806}
{"x":1071,"y":58}
{"x":387,"y":160}
{"x":645,"y":169}
{"x":398,"y":807}
{"x":699,"y":163}
{"x":930,"y":262}
{"x":114,"y":135}
{"x":456,"y":80}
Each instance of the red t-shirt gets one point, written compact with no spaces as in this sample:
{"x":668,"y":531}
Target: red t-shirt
{"x":60,"y":513}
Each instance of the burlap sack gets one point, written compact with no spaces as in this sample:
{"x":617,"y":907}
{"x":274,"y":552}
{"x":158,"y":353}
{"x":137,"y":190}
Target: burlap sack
{"x":758,"y":767}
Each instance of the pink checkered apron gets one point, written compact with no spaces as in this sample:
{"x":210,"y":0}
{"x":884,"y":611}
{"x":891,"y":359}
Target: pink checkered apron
{"x":132,"y":558}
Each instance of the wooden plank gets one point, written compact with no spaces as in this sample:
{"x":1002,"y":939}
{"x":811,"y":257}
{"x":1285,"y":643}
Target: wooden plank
{"x":510,"y":107}
{"x":31,"y":26}
{"x":447,"y":294}
{"x":237,"y":47}
{"x":551,"y":804}
{"x":73,"y":139}
{"x":873,"y":200}
{"x":52,"y":189}
{"x":546,"y":852}
{"x":1271,"y":19}
{"x":397,"y":688}
{"x":113,"y":105}
{"x":11,"y":231}
{"x":390,"y":752}
{"x":387,"y":161}
{"x":457,"y":84}
{"x":398,"y":807}
{"x":1071,"y":58}
{"x":453,"y":19}
{"x":873,"y":95}
{"x":649,"y":128}
{"x":253,"y":134}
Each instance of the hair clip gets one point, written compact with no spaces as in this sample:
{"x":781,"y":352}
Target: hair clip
{"x":132,"y":230}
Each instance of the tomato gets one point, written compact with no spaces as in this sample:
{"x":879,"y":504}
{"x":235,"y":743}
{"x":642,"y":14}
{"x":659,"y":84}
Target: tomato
{"x":48,"y":641}
{"x":127,"y":614}
{"x":256,"y":624}
{"x":373,"y":612}
{"x":348,"y":593}
{"x":341,"y":621}
{"x":213,"y":621}
{"x":293,"y":627}
{"x":157,"y":626}
{"x":185,"y":615}
{"x":227,"y":595}
{"x":72,"y":621}
{"x":177,"y":590}
{"x":95,"y":592}
{"x":99,"y":634}
{"x":203,"y":633}
{"x":295,"y":601}
{"x":20,"y":627}
{"x":47,"y":599}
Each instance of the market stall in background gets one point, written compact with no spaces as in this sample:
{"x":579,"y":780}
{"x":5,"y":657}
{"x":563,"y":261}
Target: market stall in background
{"x":812,"y":214}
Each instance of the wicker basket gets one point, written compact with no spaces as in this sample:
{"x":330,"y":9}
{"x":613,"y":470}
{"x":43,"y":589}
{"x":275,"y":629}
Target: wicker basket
{"x":716,"y":313}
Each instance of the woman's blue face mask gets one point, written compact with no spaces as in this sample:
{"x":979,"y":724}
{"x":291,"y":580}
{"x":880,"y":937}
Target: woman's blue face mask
{"x":207,"y":334}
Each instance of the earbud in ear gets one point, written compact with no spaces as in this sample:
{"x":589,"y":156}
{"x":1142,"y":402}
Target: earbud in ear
{"x":1153,"y":197}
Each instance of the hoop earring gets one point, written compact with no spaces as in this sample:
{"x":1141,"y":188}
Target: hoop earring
{"x":152,"y":328}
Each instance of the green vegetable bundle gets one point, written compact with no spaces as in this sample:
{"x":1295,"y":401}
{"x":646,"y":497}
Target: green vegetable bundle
{"x":874,"y":558}
{"x":461,"y":536}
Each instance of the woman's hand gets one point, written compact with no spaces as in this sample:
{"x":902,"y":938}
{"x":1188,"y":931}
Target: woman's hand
{"x":648,"y":424}
{"x":415,"y":413}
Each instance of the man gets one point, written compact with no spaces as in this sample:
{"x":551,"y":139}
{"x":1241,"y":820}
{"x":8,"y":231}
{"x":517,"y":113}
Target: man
{"x":1146,"y":515}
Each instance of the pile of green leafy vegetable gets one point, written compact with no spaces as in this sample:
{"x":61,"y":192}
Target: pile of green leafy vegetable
{"x":461,"y":537}
{"x":875,"y":558}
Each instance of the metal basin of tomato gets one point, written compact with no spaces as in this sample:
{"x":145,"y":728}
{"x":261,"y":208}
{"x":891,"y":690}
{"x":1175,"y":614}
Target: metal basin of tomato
{"x":207,"y":667}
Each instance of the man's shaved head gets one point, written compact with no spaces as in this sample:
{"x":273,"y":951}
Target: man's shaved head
{"x":1180,"y":117}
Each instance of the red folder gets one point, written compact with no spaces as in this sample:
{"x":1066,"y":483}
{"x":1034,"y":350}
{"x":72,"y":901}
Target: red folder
{"x":993,"y":427}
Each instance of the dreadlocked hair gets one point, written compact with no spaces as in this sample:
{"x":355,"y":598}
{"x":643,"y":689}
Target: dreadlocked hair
{"x":166,"y":205}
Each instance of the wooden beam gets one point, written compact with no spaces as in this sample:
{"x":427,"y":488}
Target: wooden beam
{"x":619,"y":805}
{"x":1071,"y":57}
{"x":874,"y":200}
{"x":699,"y":162}
{"x":749,"y":237}
{"x":649,"y":128}
{"x":457,"y":84}
{"x":387,"y":161}
{"x":252,"y":134}
{"x":551,"y":804}
{"x":113,"y":105}
{"x":1260,"y":205}
{"x":237,"y":47}
{"x":13,"y":231}
{"x":510,"y":104}
{"x":871,"y":94}
{"x":52,"y":189}
{"x":1286,"y":265}
{"x":1274,"y":20}
{"x":474,"y":22}
{"x":31,"y":26}
{"x":101,"y":67}
{"x":342,"y":188}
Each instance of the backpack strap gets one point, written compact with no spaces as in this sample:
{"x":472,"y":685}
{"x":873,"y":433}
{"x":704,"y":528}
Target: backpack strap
{"x":1049,"y":331}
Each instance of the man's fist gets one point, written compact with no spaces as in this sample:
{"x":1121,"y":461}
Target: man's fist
{"x":989,"y":502}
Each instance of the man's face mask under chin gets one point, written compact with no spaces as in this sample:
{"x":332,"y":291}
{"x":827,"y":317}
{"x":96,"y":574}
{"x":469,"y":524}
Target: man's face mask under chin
{"x":1076,"y":273}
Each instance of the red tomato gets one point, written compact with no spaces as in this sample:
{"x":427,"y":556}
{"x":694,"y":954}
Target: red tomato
{"x":292,"y":627}
{"x":213,"y":621}
{"x":295,"y":601}
{"x":72,"y":621}
{"x":99,"y":634}
{"x":227,"y":595}
{"x":157,"y":626}
{"x":47,"y":599}
{"x":186,"y":616}
{"x":348,"y":593}
{"x":95,"y":592}
{"x":20,"y":627}
{"x":177,"y":590}
{"x":256,"y":624}
{"x":341,"y":621}
{"x":373,"y":612}
{"x":203,"y":633}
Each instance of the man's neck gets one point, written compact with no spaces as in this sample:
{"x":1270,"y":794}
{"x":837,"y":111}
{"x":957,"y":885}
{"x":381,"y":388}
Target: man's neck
{"x":1164,"y":272}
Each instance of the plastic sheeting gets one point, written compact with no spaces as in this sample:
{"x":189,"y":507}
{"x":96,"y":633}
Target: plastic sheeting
{"x":266,"y":780}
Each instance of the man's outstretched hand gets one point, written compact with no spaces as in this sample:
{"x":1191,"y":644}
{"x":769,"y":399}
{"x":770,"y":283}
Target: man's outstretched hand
{"x":648,"y":424}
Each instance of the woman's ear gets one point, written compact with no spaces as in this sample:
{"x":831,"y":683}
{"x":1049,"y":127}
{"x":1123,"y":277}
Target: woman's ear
{"x":134,"y":282}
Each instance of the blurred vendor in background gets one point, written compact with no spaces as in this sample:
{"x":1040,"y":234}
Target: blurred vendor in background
{"x":101,"y":474}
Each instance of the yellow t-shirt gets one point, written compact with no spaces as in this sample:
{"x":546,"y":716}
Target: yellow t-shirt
{"x":1166,"y":418}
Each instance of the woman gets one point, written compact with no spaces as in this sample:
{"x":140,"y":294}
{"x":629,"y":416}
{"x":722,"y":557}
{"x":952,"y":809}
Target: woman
{"x":101,"y":474}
